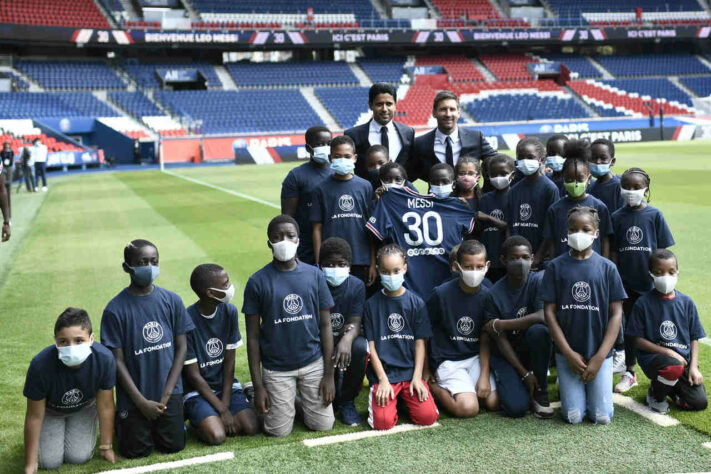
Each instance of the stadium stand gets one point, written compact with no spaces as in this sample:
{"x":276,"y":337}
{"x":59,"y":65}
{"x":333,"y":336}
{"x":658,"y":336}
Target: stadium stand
{"x":459,"y":67}
{"x":135,"y":103}
{"x":591,"y":90}
{"x":414,"y":106}
{"x":67,"y":13}
{"x":576,"y":9}
{"x":508,"y":66}
{"x":652,"y":88}
{"x":346,"y":104}
{"x":700,"y":85}
{"x":38,"y":105}
{"x":607,"y":110}
{"x":292,"y":73}
{"x":579,"y":64}
{"x":524,"y":106}
{"x":18,"y":82}
{"x":389,"y":69}
{"x":126,"y":126}
{"x":641,"y":65}
{"x":165,"y":126}
{"x":145,"y":73}
{"x":71,"y":75}
{"x":509,"y":86}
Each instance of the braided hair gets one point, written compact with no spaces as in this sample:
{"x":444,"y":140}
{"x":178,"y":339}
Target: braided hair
{"x":390,"y":249}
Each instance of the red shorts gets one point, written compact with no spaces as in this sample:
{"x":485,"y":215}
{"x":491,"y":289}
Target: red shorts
{"x":383,"y":418}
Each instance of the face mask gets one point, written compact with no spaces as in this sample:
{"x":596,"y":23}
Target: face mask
{"x":472,"y":278}
{"x":599,"y":170}
{"x":394,"y":185}
{"x":71,"y":356}
{"x":576,"y":189}
{"x":500,"y":182}
{"x":144,"y":276}
{"x":321,"y":154}
{"x":284,"y":250}
{"x":229,"y":294}
{"x":335,"y":276}
{"x":518,"y":268}
{"x":580,"y":241}
{"x":555,"y":162}
{"x":442,"y":191}
{"x":528,"y":167}
{"x":633,"y":198}
{"x":342,"y":166}
{"x":466,"y":182}
{"x":665,"y":284}
{"x":392,"y":282}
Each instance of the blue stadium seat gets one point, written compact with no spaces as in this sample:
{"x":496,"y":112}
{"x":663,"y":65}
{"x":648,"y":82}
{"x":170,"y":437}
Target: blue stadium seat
{"x":567,"y":9}
{"x":145,"y":73}
{"x":700,"y":85}
{"x":575,"y":63}
{"x":655,"y":88}
{"x":383,"y":69}
{"x":515,"y":107}
{"x":70,"y":75}
{"x":362,"y":9}
{"x":38,"y":105}
{"x":292,"y":73}
{"x":607,"y":111}
{"x":346,"y":104}
{"x":135,"y":103}
{"x":640,"y":65}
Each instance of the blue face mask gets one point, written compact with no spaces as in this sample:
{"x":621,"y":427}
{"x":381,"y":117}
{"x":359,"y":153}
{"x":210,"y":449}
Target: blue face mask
{"x":321,"y":154}
{"x":342,"y":166}
{"x":392,"y":282}
{"x":599,"y":170}
{"x":528,"y":167}
{"x":555,"y":162}
{"x":335,"y":276}
{"x":442,"y":191}
{"x":144,"y":276}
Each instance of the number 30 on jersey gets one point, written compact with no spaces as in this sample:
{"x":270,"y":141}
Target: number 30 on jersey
{"x":420,"y":228}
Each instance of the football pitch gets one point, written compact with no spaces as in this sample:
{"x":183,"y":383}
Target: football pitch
{"x":67,"y":249}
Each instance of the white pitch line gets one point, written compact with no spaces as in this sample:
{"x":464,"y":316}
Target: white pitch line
{"x":644,"y":411}
{"x":219,"y":188}
{"x":706,"y":340}
{"x":343,"y":438}
{"x":224,"y":456}
{"x":706,"y":445}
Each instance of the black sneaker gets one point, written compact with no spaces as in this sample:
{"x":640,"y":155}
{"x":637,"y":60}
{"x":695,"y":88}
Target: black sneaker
{"x":248,"y":390}
{"x":540,"y":406}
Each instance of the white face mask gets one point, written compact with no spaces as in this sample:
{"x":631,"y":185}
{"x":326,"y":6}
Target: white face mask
{"x":393,"y":185}
{"x":527,"y":166}
{"x":71,"y":356}
{"x":442,"y":191}
{"x":633,"y":198}
{"x":580,"y":241}
{"x":284,"y":250}
{"x":321,"y":154}
{"x":229,"y":294}
{"x":665,"y":284}
{"x":500,"y":182}
{"x":472,"y":278}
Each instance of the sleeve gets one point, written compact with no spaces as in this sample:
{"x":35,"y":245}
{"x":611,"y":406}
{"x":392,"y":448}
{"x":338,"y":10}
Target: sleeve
{"x":252,"y":299}
{"x":368,"y":323}
{"x":358,"y":300}
{"x":182,"y":323}
{"x":635,"y":323}
{"x":325,"y":300}
{"x":664,"y":235}
{"x":433,"y":308}
{"x":536,"y":296}
{"x":108,"y":377}
{"x":553,"y":194}
{"x":370,"y":199}
{"x":317,"y":205}
{"x":191,"y":354}
{"x":290,"y":186}
{"x":234,"y":338}
{"x":605,"y":221}
{"x":36,"y":386}
{"x":696,"y":330}
{"x":379,"y":222}
{"x":111,"y":333}
{"x":548,"y":223}
{"x":485,"y":147}
{"x":548,"y":291}
{"x":616,"y":290}
{"x":423,"y":329}
{"x":491,"y":311}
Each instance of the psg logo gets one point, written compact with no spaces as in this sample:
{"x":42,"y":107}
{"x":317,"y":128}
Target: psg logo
{"x":668,"y":330}
{"x":214,"y":347}
{"x":465,"y":325}
{"x":525,"y":211}
{"x":346,"y":203}
{"x":396,"y":322}
{"x":521,"y":312}
{"x":293,"y":303}
{"x":497,"y":214}
{"x":581,"y":292}
{"x":634,"y":235}
{"x":72,"y":397}
{"x":336,"y":321}
{"x":152,"y":332}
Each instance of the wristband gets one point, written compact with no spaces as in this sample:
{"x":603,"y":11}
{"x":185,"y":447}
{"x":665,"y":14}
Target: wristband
{"x":105,"y":447}
{"x":530,"y":372}
{"x":493,"y":326}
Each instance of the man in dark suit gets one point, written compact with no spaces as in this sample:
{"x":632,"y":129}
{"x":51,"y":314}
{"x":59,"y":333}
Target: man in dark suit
{"x":447,"y":142}
{"x":382,"y":130}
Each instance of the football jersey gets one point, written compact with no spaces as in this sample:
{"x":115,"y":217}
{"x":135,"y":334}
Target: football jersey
{"x":348,"y":301}
{"x":494,"y":204}
{"x":555,"y":227}
{"x":609,"y":193}
{"x":528,"y":204}
{"x":427,"y":228}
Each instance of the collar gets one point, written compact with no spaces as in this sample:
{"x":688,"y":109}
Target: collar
{"x":442,"y":138}
{"x":375,"y":126}
{"x":665,"y":297}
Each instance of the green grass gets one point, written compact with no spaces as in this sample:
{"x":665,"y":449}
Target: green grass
{"x":67,"y":250}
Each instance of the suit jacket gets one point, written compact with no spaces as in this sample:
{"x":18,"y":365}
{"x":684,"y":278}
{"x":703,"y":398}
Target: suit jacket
{"x":473,"y":142}
{"x":359,"y":134}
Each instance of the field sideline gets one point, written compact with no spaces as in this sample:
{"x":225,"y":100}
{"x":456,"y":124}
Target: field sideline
{"x":66,"y":250}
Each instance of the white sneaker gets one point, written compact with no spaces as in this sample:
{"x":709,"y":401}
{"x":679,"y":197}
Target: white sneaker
{"x":44,"y":189}
{"x":618,"y":362}
{"x":627,"y":381}
{"x":659,"y":407}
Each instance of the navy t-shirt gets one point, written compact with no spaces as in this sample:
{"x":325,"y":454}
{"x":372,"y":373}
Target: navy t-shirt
{"x":393,"y":324}
{"x":636,"y":235}
{"x":348,"y":301}
{"x":207,"y":343}
{"x":609,"y":193}
{"x":66,"y":389}
{"x":456,"y":319}
{"x":506,"y":302}
{"x":300,"y":183}
{"x":671,"y":323}
{"x":288,"y":304}
{"x":343,"y":207}
{"x":495,"y":204}
{"x":528,"y":204}
{"x":145,"y":327}
{"x":582,"y":291}
{"x":427,"y":227}
{"x":556,"y":224}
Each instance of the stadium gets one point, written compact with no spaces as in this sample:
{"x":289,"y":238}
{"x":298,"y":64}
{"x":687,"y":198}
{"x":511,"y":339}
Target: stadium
{"x":177,"y":121}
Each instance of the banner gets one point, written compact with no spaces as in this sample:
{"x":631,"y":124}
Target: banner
{"x":178,"y":75}
{"x":543,"y":69}
{"x":59,"y":159}
{"x":424,"y":70}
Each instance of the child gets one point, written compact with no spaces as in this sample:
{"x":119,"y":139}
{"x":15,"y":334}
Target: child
{"x":393,"y":175}
{"x":531,"y":197}
{"x":397,"y":326}
{"x":583,"y":297}
{"x":554,"y":160}
{"x":576,"y":176}
{"x":289,"y":339}
{"x":341,"y":206}
{"x":639,"y":229}
{"x":441,"y":180}
{"x":351,"y":348}
{"x":666,"y":329}
{"x":459,"y":351}
{"x":606,"y":186}
{"x":145,"y":327}
{"x":467,"y":172}
{"x":514,"y":312}
{"x":215,"y":403}
{"x":301,"y":181}
{"x":375,"y":158}
{"x":456,"y":273}
{"x":495,"y":204}
{"x":68,"y":387}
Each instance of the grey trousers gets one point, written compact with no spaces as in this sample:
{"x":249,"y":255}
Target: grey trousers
{"x":69,"y":438}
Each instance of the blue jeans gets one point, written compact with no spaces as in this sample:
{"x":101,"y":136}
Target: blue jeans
{"x":579,"y":400}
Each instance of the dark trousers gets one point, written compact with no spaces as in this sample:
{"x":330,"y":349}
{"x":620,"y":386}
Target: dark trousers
{"x":671,"y":379}
{"x":41,"y":171}
{"x":8,"y":191}
{"x":535,"y":355}
{"x":29,"y":172}
{"x":138,"y":436}
{"x":349,"y":382}
{"x":624,"y":342}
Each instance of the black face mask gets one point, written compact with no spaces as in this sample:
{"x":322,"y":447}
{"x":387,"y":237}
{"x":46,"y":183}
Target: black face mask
{"x":374,"y":178}
{"x":518,"y":268}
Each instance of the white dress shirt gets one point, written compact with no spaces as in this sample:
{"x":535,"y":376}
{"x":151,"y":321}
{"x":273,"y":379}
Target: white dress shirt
{"x":39,"y":153}
{"x":440,"y":145}
{"x":394,"y":143}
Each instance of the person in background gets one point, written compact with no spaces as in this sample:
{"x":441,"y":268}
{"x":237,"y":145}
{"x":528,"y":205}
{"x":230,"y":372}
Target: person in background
{"x":39,"y":153}
{"x":28,"y":168}
{"x":7,"y":160}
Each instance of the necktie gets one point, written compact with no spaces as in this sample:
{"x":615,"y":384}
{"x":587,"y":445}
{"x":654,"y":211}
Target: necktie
{"x":384,"y":137}
{"x":449,"y":156}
